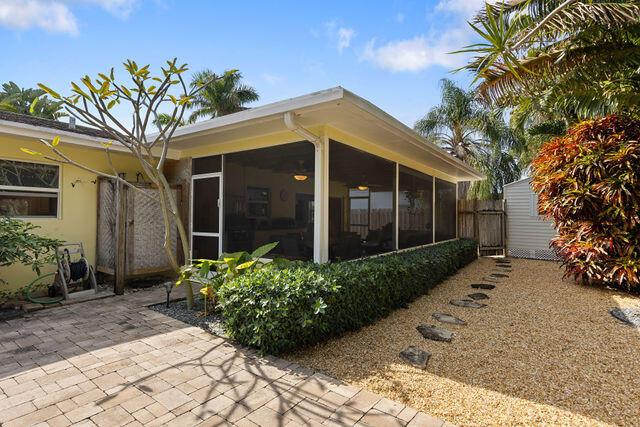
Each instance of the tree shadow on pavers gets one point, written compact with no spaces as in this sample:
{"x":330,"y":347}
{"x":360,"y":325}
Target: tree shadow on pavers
{"x":129,"y":351}
{"x":544,"y":347}
{"x":231,"y":382}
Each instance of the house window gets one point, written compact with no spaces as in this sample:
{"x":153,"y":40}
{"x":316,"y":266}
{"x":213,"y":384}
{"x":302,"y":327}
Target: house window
{"x":29,"y":189}
{"x":359,"y":208}
{"x":258,"y":202}
{"x":415,"y":208}
{"x":361,"y":203}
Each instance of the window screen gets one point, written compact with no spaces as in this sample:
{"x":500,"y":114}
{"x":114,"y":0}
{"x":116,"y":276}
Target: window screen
{"x":361,"y":207}
{"x":415,"y":208}
{"x":268,"y":197}
{"x":445,"y":210}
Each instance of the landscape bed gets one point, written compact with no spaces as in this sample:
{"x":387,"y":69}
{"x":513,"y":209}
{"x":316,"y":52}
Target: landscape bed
{"x":281,"y":309}
{"x":212,"y":323}
{"x":543,"y":351}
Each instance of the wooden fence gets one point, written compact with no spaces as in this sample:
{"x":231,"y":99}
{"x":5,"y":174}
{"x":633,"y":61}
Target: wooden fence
{"x":483,"y":221}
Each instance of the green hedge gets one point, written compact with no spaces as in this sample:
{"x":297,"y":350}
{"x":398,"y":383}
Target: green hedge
{"x":279,"y":309}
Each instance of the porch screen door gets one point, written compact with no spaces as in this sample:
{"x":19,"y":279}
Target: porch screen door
{"x":206,"y":216}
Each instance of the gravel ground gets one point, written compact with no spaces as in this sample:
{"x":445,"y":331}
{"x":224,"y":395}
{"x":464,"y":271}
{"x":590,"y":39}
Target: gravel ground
{"x":213,"y":323}
{"x":544,"y":351}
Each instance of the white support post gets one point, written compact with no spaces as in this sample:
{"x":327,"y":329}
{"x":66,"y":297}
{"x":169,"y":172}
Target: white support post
{"x":321,"y":201}
{"x":396,"y":205}
{"x":457,"y":225}
{"x":433,"y":210}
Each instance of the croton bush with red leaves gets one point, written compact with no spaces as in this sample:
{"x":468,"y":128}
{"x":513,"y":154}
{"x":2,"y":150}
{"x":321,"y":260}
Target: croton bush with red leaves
{"x":588,"y":182}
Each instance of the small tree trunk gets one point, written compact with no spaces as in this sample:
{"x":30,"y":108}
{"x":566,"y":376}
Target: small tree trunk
{"x":168,"y":213}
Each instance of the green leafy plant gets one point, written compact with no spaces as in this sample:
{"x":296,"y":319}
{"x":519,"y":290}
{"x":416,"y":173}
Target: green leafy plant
{"x":19,"y":244}
{"x":282,"y":308}
{"x":588,"y":183}
{"x":580,"y":57}
{"x":211,"y":274}
{"x":29,"y":101}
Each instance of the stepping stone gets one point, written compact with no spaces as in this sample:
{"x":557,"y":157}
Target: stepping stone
{"x":478,"y":296}
{"x":448,"y":318}
{"x":434,"y":333}
{"x":499,"y":275}
{"x":491,"y":279}
{"x":466,"y":303}
{"x":630,"y":316}
{"x":483,"y":286}
{"x":415,"y":357}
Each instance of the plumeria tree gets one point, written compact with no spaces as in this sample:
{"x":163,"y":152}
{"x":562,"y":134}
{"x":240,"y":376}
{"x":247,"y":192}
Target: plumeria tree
{"x":93,"y":101}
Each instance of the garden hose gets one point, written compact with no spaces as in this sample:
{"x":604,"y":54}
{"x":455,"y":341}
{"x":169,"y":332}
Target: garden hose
{"x":45,"y":300}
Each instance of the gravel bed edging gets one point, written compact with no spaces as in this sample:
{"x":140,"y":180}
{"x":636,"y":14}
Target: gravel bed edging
{"x":213,"y":323}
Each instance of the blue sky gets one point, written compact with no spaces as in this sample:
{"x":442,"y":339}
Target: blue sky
{"x":392,"y":53}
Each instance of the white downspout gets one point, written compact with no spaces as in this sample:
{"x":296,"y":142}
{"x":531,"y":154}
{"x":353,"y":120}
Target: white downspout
{"x":321,"y":186}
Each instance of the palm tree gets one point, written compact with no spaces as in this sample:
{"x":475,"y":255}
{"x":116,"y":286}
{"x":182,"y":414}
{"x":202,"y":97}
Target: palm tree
{"x":225,"y":94}
{"x":580,"y":59}
{"x":29,"y":101}
{"x":470,"y":131}
{"x":459,"y":124}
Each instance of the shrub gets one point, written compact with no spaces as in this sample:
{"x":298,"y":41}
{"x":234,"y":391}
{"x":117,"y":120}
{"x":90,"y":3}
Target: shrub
{"x":209,"y":274}
{"x":279,"y":309}
{"x":588,"y":183}
{"x":19,"y":244}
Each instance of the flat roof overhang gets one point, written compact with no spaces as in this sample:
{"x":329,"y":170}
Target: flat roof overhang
{"x":335,"y":107}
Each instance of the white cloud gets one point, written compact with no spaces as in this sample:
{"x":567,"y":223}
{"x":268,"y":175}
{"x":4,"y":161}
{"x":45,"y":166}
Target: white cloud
{"x":433,"y":47}
{"x":466,"y":8}
{"x":399,"y":18}
{"x":418,"y":53}
{"x":340,"y":35}
{"x":122,"y":8}
{"x":54,"y":15}
{"x":51,"y":16}
{"x":344,"y":38}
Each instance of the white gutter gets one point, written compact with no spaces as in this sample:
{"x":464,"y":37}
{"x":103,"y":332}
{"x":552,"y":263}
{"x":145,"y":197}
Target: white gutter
{"x":320,"y":186}
{"x":292,"y":124}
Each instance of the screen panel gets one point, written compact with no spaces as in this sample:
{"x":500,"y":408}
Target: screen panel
{"x":206,"y":214}
{"x":415,"y":208}
{"x":445,"y":210}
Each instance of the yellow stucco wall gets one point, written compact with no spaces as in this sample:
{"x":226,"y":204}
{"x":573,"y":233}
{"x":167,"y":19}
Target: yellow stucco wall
{"x":77,"y":220}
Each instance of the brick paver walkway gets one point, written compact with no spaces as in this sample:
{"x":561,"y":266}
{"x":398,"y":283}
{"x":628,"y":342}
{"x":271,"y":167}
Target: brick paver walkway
{"x":115,"y":362}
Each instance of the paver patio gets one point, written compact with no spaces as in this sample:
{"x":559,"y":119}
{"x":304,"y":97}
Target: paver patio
{"x":116,"y":362}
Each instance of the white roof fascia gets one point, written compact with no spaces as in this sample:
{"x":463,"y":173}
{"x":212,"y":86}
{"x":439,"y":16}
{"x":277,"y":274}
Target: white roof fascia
{"x":306,"y":102}
{"x":416,"y":139}
{"x":275,"y":108}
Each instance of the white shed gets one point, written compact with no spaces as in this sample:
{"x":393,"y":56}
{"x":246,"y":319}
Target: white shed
{"x":528,"y":233}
